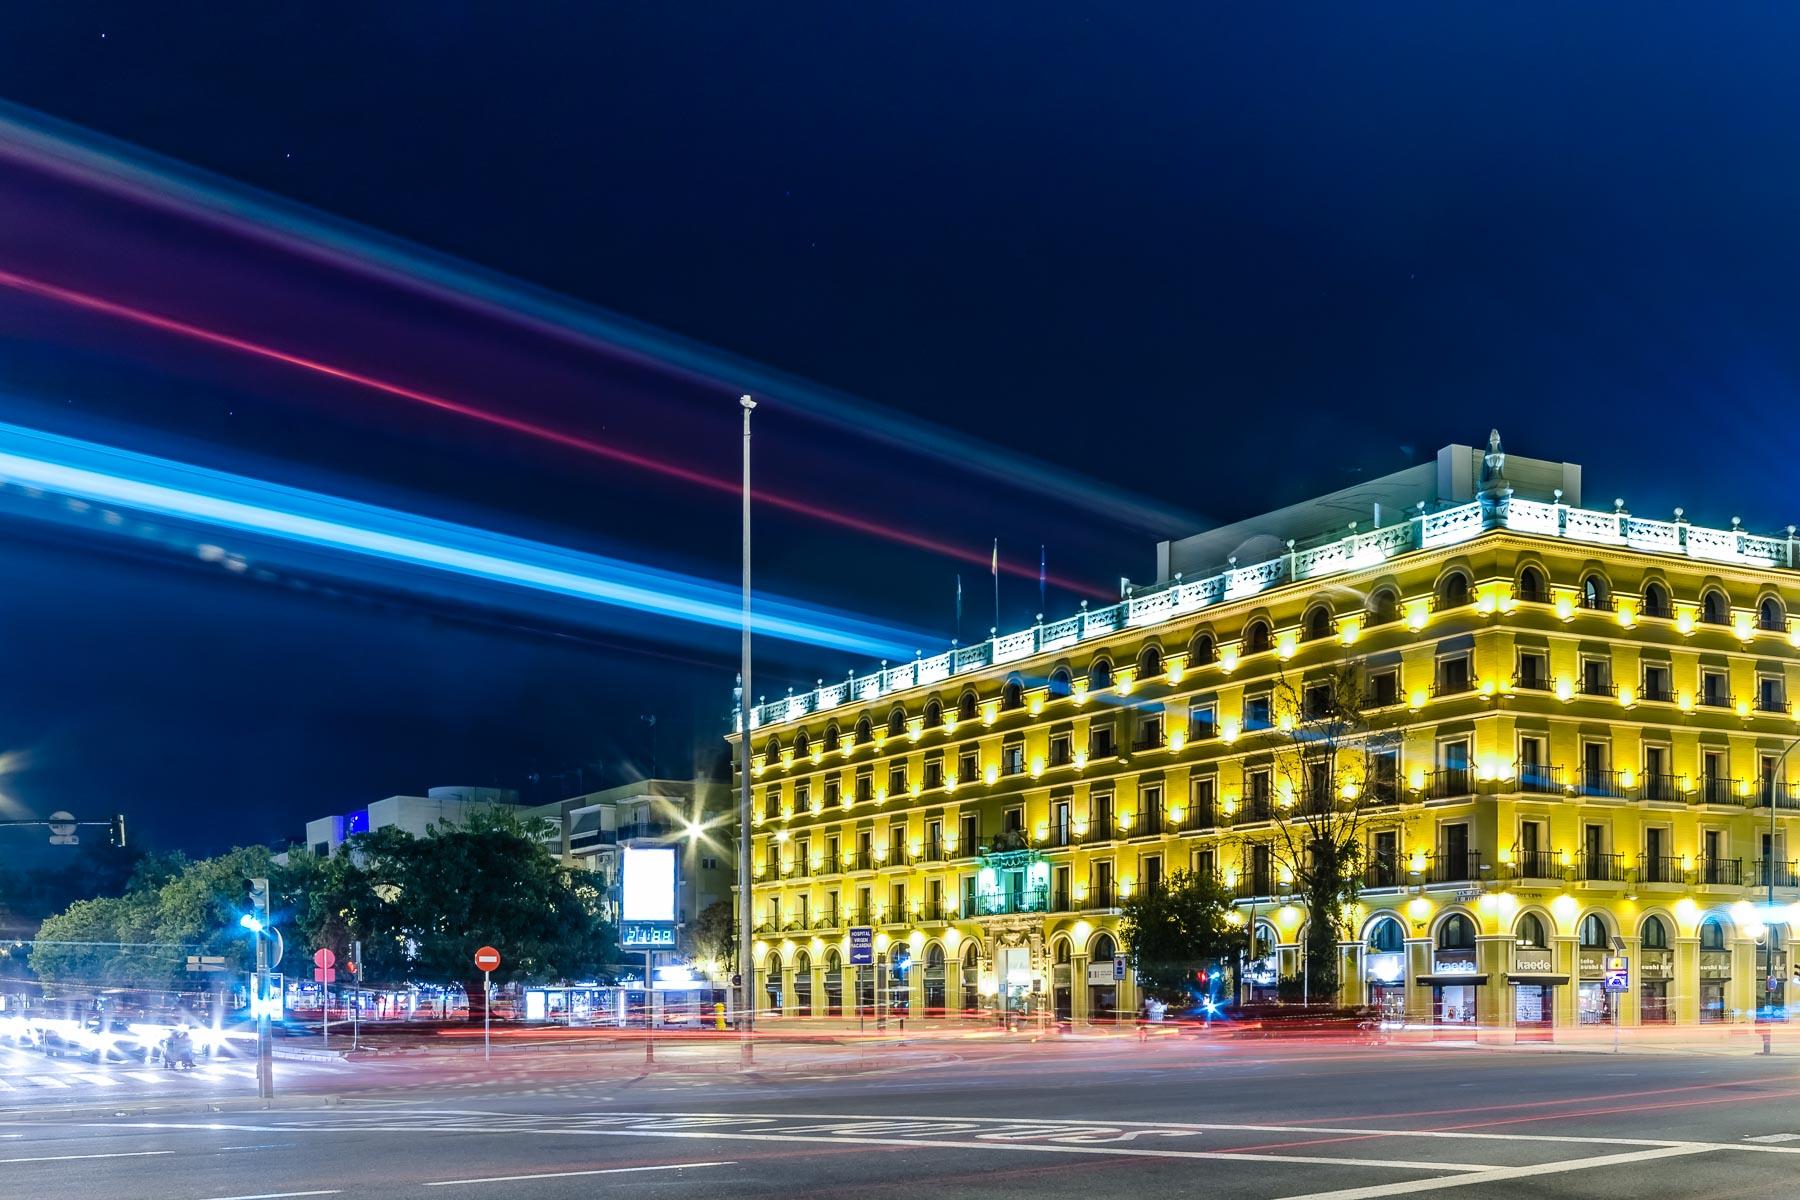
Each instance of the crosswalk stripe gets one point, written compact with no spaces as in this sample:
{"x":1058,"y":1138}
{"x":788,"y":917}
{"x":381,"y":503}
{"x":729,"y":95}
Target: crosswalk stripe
{"x":49,"y":1081}
{"x":145,"y":1076}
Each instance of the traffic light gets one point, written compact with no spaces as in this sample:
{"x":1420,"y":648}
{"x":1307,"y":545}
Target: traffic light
{"x":258,"y":889}
{"x":117,"y":832}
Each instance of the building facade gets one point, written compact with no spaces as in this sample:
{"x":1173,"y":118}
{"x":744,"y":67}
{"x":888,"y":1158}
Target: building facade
{"x":1574,"y":729}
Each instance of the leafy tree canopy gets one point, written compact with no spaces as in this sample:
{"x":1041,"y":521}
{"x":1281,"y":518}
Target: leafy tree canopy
{"x":1180,"y":928}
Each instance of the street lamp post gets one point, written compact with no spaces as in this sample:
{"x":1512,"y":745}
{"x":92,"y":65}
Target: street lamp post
{"x":1770,"y":783}
{"x":746,"y":904}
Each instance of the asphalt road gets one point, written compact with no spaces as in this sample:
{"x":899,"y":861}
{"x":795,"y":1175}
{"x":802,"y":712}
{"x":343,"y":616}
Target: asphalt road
{"x":959,"y":1117}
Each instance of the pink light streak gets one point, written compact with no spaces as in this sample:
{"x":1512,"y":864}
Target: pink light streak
{"x":170,"y":325}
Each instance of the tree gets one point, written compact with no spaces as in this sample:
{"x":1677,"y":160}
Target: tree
{"x":1331,"y":776}
{"x":712,"y":938}
{"x":423,"y":906}
{"x":1174,"y":931}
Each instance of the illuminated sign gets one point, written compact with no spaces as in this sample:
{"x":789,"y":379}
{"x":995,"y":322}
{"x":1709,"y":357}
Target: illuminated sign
{"x":647,"y":935}
{"x":647,"y":875}
{"x":1528,"y":959}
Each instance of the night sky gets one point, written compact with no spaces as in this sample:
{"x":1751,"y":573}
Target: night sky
{"x":1215,"y":258}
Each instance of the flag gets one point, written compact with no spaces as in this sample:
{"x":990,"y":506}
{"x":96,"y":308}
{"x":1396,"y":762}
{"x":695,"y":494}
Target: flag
{"x":994,"y":567}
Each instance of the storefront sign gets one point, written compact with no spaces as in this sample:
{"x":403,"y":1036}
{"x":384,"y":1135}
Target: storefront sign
{"x":1591,"y":963}
{"x":1528,"y":960}
{"x":1657,"y":964}
{"x":1100,"y":974}
{"x":1453,"y":966}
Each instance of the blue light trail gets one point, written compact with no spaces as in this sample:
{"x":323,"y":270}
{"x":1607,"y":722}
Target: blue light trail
{"x":101,"y":475}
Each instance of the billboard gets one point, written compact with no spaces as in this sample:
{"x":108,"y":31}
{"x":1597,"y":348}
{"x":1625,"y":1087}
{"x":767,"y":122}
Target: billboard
{"x":647,"y":883}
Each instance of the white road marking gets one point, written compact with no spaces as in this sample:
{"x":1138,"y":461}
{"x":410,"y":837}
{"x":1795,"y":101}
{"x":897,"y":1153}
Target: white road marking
{"x":49,"y":1081}
{"x":563,"y":1174}
{"x":1504,"y":1174}
{"x":74,"y":1157}
{"x":278,"y":1195}
{"x":1775,"y":1137}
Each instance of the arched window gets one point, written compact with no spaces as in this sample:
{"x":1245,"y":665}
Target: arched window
{"x":1594,"y":593}
{"x":1532,"y":587}
{"x":1063,"y":952}
{"x":1318,"y":624}
{"x":1656,"y":600}
{"x":1770,"y":616}
{"x":1099,"y":675}
{"x":863,"y":731}
{"x":1530,"y":932}
{"x":1150,"y":662}
{"x":934,"y":957}
{"x":1712,"y":934}
{"x":896,"y":722}
{"x":1655,"y":934}
{"x":1256,"y":637}
{"x":1453,"y":590}
{"x":1387,"y":937}
{"x":1205,"y":650}
{"x":966,"y":706}
{"x":1456,"y":933}
{"x":1714,"y":608}
{"x":1384,"y":606}
{"x":772,"y":750}
{"x":1012,"y":696}
{"x":1059,"y":683}
{"x":1104,"y":948}
{"x":802,"y":744}
{"x":1264,"y":942}
{"x":934,"y":713}
{"x":833,"y":738}
{"x":1593,"y":933}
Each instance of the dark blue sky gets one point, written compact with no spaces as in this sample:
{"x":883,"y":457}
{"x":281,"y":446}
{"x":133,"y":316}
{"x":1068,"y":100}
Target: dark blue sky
{"x":1223,"y":256}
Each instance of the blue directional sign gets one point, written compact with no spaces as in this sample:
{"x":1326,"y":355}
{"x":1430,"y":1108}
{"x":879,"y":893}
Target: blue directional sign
{"x":862,"y":945}
{"x":1118,"y":966}
{"x":1617,"y":974}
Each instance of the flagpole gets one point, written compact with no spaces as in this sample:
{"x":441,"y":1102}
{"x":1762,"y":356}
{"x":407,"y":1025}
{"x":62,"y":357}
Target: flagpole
{"x":746,"y":903}
{"x":1042,"y":578}
{"x":995,"y":569}
{"x":959,"y":606}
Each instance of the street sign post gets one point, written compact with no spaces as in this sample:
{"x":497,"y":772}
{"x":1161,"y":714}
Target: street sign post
{"x":862,"y":945}
{"x":323,"y":961}
{"x":354,"y":968}
{"x":488,"y":959}
{"x":1118,"y":968}
{"x":1616,"y":982}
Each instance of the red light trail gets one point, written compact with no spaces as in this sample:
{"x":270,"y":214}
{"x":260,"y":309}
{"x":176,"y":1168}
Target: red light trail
{"x":572,"y":441}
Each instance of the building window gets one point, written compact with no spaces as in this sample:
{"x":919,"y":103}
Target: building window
{"x":1769,"y":615}
{"x":1453,"y":675}
{"x":1062,"y":750}
{"x":1149,"y":731}
{"x":1713,"y":689}
{"x":1256,"y":637}
{"x":865,"y":787}
{"x":1656,"y":600}
{"x":1384,"y":606}
{"x":897,"y":779}
{"x":968,"y":765}
{"x":1531,"y":586}
{"x":1656,"y":683}
{"x":1530,"y":933}
{"x":1655,"y":934}
{"x":1256,"y":712}
{"x":1384,"y":688}
{"x":1012,"y":758}
{"x":1318,"y":624}
{"x":1714,"y":608}
{"x":1203,"y":720}
{"x":1099,"y":675}
{"x":1059,"y":683}
{"x":1012,"y":696}
{"x":934,"y":771}
{"x":1453,"y":590}
{"x":1596,"y":677}
{"x":1100,"y":740}
{"x":1595,"y":594}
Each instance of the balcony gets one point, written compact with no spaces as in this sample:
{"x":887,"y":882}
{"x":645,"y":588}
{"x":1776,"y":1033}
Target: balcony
{"x":1768,"y":703}
{"x":1381,"y":791}
{"x":1447,"y":783}
{"x":829,"y":920}
{"x":1453,"y":868}
{"x":1714,"y":790}
{"x":1199,"y":816}
{"x":1716,"y":700}
{"x":1719,"y":872}
{"x":1597,"y":781}
{"x":1657,"y":690}
{"x":1101,"y":895}
{"x":1003,"y":902}
{"x":1660,"y":868}
{"x":1151,"y":822}
{"x":1781,"y":796}
{"x":932,"y":851}
{"x":1537,"y":864}
{"x":1062,"y":835}
{"x":1384,"y":873}
{"x":1660,"y":785}
{"x":1780,"y":874}
{"x":1452,"y":685}
{"x":859,"y":916}
{"x":1256,"y":884}
{"x":1597,"y":685}
{"x":861,"y":860}
{"x":938,"y":913}
{"x":1538,"y":778}
{"x":1602,"y":868}
{"x":1530,"y":681}
{"x":1257,"y":806}
{"x":1202,"y":731}
{"x":1385,"y":695}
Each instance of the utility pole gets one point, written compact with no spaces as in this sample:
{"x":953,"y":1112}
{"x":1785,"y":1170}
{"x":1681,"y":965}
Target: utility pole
{"x":258,"y":924}
{"x":746,"y":902}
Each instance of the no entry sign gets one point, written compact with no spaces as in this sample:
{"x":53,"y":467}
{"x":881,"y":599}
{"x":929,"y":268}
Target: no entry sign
{"x":324,"y":959}
{"x":487,"y":958}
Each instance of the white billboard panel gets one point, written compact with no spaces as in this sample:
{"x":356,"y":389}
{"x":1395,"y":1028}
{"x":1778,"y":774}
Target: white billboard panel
{"x":648,"y":883}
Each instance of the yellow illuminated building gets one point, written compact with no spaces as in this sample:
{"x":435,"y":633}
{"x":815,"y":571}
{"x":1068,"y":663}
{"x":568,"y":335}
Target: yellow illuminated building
{"x":1588,"y":711}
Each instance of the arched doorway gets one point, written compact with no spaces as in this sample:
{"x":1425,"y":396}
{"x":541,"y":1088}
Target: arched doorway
{"x":935,"y":995}
{"x":1384,"y":966}
{"x":834,"y":984}
{"x":1103,"y":988}
{"x":803,"y":994}
{"x":772,"y":982}
{"x":899,"y":981}
{"x":971,"y":979}
{"x":1063,"y":993}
